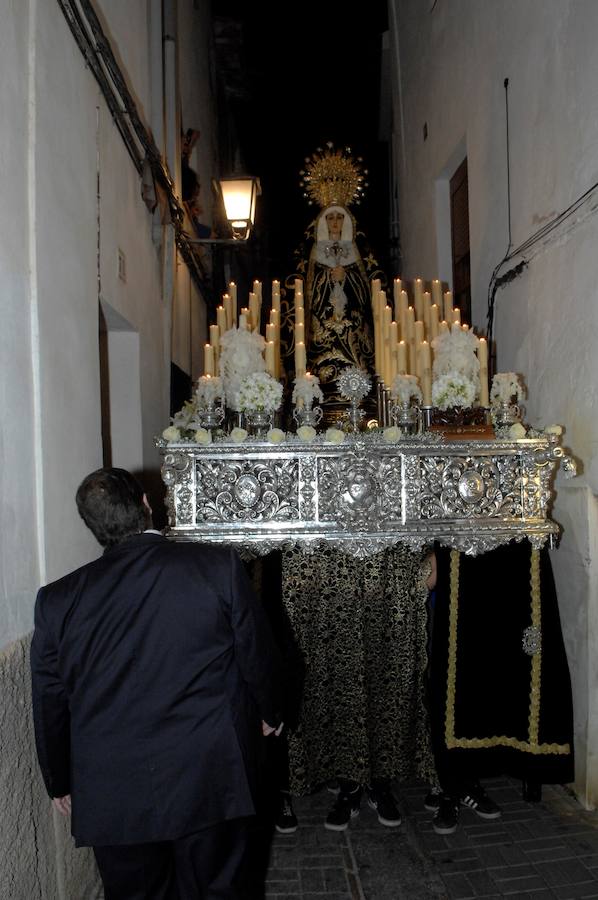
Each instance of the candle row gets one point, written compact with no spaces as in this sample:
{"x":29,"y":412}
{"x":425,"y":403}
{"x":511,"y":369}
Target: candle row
{"x":403,"y":345}
{"x":249,"y":317}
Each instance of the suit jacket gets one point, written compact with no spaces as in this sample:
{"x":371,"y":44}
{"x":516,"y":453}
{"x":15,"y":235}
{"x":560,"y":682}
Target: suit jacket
{"x":151,"y":668}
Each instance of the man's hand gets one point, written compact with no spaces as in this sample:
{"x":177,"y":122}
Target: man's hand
{"x":269,"y":729}
{"x":62,"y":804}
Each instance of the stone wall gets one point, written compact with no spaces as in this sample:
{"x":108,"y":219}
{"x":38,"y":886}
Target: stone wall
{"x":39,"y":859}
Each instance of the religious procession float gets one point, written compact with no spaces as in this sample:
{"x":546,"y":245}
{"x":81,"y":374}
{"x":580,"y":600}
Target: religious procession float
{"x":337,"y":414}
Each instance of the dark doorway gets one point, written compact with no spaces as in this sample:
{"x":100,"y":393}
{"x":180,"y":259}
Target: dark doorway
{"x":459,"y":190}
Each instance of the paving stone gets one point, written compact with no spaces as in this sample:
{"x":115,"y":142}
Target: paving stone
{"x":567,"y":871}
{"x":458,"y":887}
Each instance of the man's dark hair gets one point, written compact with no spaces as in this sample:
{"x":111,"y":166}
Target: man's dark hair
{"x":110,"y":502}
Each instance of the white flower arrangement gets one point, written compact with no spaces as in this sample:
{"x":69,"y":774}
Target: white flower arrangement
{"x":456,"y":368}
{"x":307,"y":390}
{"x":453,"y":389}
{"x":171,"y":434}
{"x":517,"y":431}
{"x":334,"y":436}
{"x":210,"y":389}
{"x":405,"y":388}
{"x":392,"y":434}
{"x":275,"y":436}
{"x":186,"y":418}
{"x":505,"y":387}
{"x":238,"y":435}
{"x":203,"y":436}
{"x":240,"y":355}
{"x":259,"y":392}
{"x":306,"y":433}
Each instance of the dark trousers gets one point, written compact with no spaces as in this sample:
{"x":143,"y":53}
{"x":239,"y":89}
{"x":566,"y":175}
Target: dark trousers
{"x":206,"y":865}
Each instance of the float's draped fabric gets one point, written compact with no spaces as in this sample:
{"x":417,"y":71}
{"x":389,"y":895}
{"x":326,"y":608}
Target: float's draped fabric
{"x":361,"y":626}
{"x":500,"y":693}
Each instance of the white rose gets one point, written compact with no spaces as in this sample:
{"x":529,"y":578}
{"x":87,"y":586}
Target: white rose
{"x":553,"y":429}
{"x":517,"y":431}
{"x":203,"y":436}
{"x":306,"y":433}
{"x":238,"y":435}
{"x":391,"y":434}
{"x":335,"y":436}
{"x":276,"y":436}
{"x":171,"y":434}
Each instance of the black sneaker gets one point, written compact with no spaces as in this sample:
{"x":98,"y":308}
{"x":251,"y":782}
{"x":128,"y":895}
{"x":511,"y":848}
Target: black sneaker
{"x":286,"y":820}
{"x":478,"y":800}
{"x":346,"y":807}
{"x":432,"y":799}
{"x":446,"y":817}
{"x":385,"y":805}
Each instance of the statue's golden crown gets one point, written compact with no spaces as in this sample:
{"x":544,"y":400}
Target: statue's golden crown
{"x":333,"y":177}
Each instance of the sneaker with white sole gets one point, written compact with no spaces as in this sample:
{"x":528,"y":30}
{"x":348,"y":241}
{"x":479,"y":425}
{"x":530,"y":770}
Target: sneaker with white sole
{"x":382,"y":800}
{"x":446,"y":817}
{"x":345,"y":808}
{"x":479,"y":801}
{"x":432,"y":799}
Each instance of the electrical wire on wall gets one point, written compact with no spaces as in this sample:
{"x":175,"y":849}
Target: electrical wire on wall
{"x":531,"y":245}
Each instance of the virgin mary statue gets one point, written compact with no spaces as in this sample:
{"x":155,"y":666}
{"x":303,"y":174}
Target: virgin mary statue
{"x":337,"y":269}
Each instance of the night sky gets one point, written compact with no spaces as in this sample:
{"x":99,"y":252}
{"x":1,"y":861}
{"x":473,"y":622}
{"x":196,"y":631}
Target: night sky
{"x":309,"y":78}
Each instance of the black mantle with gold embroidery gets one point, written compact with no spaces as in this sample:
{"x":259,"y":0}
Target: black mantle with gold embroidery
{"x":500,"y":692}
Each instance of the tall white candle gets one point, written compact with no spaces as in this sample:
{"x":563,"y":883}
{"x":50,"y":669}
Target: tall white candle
{"x":418,"y":292}
{"x":270,"y":358}
{"x":208,"y":366}
{"x":221,"y":318}
{"x":300,"y":359}
{"x":437,"y":292}
{"x":448,"y":306}
{"x":232,"y":290}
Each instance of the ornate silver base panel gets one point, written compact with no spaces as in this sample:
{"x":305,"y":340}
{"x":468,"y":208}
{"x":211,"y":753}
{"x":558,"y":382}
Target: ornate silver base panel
{"x":361,"y":496}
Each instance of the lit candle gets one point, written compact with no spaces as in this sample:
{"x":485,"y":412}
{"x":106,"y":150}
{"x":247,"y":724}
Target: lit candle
{"x":410,"y":320}
{"x":232,"y":290}
{"x":270,"y":357}
{"x":418,"y":291}
{"x":221,"y":318}
{"x":254,"y":308}
{"x":298,"y":299}
{"x":300,"y":359}
{"x":419,"y":333}
{"x":276,"y":295}
{"x":448,"y":306}
{"x":443,"y":328}
{"x":243,"y":322}
{"x":397,"y":289}
{"x":275,"y":316}
{"x":300,"y":316}
{"x":437,"y":292}
{"x":402,"y":358}
{"x":228,"y":307}
{"x":215,"y":342}
{"x":434,"y":314}
{"x":483,"y":358}
{"x":208,"y":366}
{"x":427,"y":303}
{"x":299,"y":333}
{"x":426,"y":372}
{"x":393,"y":341}
{"x":270,"y":332}
{"x":376,"y":285}
{"x":456,"y":318}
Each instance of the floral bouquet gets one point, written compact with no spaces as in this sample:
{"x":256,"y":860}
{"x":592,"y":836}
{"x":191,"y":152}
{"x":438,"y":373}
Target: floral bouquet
{"x":406,"y":388}
{"x":506,"y":388}
{"x":258,"y":392}
{"x":307,"y":390}
{"x":240,"y":356}
{"x":456,"y":377}
{"x":209,"y":391}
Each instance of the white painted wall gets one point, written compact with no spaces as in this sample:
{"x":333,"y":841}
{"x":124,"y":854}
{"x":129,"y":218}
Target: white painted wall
{"x":452,"y":60}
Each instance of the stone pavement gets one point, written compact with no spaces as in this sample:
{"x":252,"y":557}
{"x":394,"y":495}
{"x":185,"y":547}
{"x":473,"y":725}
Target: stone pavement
{"x":535,"y":851}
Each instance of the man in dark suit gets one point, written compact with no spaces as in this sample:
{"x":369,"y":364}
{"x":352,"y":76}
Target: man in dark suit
{"x":154,"y":677}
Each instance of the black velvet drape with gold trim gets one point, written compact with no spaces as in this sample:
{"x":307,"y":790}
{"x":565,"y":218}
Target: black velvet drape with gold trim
{"x":499,"y":686}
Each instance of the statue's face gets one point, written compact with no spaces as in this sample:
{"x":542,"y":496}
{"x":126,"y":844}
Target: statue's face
{"x":334,"y":220}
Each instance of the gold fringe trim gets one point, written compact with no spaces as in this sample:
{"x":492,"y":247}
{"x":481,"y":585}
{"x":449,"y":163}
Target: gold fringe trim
{"x":532,"y":745}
